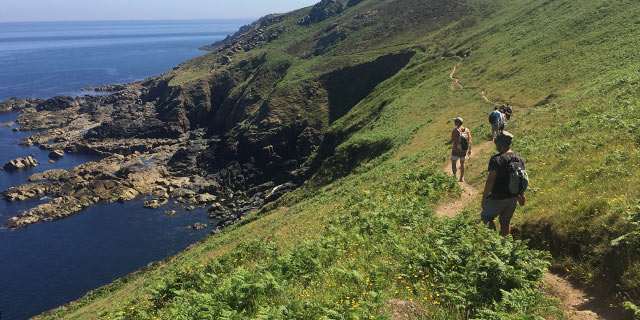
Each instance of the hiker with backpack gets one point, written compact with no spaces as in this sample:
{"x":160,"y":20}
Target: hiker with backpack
{"x":461,"y":140}
{"x":505,"y":185}
{"x":503,"y":118}
{"x":494,"y":120}
{"x":508,"y":111}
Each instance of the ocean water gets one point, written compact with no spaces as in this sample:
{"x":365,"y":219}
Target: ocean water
{"x":46,"y":265}
{"x":45,"y":59}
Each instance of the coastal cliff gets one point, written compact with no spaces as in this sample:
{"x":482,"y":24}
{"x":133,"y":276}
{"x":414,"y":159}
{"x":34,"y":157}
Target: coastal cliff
{"x":243,"y":130}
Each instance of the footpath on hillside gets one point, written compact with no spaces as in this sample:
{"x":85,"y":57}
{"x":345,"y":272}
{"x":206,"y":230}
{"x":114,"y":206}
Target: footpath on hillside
{"x":577,"y":304}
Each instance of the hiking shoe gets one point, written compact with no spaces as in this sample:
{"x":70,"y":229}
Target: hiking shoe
{"x":461,"y":179}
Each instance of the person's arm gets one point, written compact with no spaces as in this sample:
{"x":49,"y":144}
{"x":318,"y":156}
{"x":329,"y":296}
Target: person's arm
{"x":488,"y":186}
{"x":456,"y":140}
{"x":453,"y":134}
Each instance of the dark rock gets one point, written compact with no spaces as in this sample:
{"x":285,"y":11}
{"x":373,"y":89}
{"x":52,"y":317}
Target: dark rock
{"x":323,"y":10}
{"x":16,"y":104}
{"x":56,"y":154}
{"x":182,"y":193}
{"x":57,"y":103}
{"x":199,"y":226}
{"x":133,"y":168}
{"x":134,"y":128}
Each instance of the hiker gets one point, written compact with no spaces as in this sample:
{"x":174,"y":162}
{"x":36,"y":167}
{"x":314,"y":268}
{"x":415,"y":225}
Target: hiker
{"x":508,"y":111}
{"x":494,"y":120}
{"x":461,"y":140}
{"x":505,"y":186}
{"x":503,"y":118}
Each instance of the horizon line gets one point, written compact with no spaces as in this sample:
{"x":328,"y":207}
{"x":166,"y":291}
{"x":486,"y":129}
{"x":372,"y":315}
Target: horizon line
{"x":124,"y":20}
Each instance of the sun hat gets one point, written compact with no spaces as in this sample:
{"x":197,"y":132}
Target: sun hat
{"x":505,"y":138}
{"x":458,"y":119}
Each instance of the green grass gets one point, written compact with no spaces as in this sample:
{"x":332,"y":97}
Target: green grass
{"x":378,"y":178}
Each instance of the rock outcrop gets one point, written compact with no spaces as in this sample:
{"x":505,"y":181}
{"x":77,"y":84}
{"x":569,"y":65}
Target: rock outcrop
{"x":21,"y":163}
{"x":250,"y":36}
{"x":323,"y":10}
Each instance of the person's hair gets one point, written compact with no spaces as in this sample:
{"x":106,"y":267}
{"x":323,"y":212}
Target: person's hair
{"x":495,"y":108}
{"x":497,"y":142}
{"x":457,"y":121}
{"x":502,"y":148}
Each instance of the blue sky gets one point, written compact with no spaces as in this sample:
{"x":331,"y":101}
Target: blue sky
{"x":65,"y":10}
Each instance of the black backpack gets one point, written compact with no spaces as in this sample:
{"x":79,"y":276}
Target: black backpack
{"x":463,"y":140}
{"x":518,"y":177}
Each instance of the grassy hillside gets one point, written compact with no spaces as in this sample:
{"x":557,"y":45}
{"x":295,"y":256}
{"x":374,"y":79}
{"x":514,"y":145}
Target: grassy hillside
{"x":360,"y":237}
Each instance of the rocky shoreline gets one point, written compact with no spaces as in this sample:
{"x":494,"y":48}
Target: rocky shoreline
{"x":144,"y":155}
{"x":217,"y":132}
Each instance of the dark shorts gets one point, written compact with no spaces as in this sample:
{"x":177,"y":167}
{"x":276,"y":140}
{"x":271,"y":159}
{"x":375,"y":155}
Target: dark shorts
{"x":502,"y":208}
{"x":455,"y":156}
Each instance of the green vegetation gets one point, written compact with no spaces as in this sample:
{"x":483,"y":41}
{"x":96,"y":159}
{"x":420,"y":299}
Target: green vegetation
{"x":363,"y":226}
{"x":372,"y":250}
{"x":380,"y":243}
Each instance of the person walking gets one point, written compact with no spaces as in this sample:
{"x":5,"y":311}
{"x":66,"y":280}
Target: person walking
{"x":461,"y":140}
{"x":494,"y":120}
{"x":503,"y":118}
{"x":498,"y":200}
{"x":508,"y":110}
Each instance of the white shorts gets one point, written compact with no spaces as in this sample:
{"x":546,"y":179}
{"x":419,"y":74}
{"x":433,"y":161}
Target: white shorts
{"x":456,"y":158}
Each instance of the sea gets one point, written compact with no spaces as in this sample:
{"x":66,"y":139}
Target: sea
{"x":49,"y":264}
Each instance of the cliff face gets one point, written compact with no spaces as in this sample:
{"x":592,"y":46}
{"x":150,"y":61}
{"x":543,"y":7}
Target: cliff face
{"x":268,"y":93}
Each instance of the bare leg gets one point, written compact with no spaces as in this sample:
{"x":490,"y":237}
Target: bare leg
{"x":461,"y":170}
{"x":505,"y":229}
{"x":454,"y":168}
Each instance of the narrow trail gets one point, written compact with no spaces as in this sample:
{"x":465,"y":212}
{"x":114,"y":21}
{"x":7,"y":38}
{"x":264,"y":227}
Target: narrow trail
{"x":451,"y":208}
{"x":577,"y":304}
{"x":456,"y":83}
